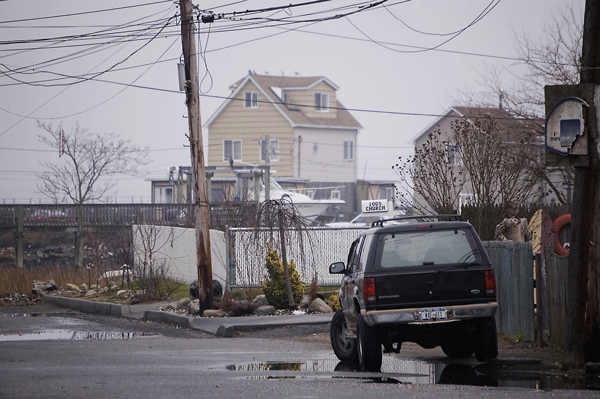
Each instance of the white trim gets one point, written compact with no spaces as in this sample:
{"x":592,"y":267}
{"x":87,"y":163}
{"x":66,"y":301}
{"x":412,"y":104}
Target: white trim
{"x":435,"y":123}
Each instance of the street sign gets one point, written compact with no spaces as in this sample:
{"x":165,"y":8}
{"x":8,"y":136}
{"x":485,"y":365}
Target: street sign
{"x":564,"y":124}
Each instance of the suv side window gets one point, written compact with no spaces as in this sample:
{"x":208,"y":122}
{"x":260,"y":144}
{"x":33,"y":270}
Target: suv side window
{"x":364,"y":254}
{"x":354,"y":256}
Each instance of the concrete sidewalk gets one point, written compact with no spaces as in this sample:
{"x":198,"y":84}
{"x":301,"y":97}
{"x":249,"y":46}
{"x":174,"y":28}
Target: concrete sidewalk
{"x":219,"y":326}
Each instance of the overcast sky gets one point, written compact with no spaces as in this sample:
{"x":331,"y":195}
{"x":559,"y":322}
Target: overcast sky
{"x":396,"y":67}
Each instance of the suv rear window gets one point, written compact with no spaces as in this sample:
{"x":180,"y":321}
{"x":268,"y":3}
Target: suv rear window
{"x":425,"y":248}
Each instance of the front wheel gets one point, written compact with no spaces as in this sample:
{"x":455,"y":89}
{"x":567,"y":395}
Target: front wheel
{"x":344,"y":348}
{"x":369,"y":346}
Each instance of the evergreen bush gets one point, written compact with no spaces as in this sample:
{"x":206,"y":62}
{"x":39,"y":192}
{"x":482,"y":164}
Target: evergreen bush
{"x":274,"y":286}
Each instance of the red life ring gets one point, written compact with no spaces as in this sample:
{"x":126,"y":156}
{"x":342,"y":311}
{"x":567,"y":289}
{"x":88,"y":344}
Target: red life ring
{"x":558,"y":224}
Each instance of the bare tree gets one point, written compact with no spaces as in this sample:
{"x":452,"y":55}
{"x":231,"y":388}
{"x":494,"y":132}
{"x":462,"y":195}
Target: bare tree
{"x":88,"y":163}
{"x":496,"y":160}
{"x":552,"y":59}
{"x":433,"y":174}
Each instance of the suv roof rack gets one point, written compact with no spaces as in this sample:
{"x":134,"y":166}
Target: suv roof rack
{"x":379,"y":223}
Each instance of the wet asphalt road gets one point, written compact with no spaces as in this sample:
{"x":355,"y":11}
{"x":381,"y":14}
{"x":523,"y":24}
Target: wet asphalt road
{"x":90,"y":356}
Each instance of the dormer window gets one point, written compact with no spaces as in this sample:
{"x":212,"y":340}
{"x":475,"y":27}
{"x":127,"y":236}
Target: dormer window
{"x":250,"y":99}
{"x":322,"y":102}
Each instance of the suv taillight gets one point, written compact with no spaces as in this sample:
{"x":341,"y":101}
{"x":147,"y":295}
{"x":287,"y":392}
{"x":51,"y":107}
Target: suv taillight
{"x":369,"y":289}
{"x":490,"y":282}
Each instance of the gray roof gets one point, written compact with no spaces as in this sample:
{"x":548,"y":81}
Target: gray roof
{"x":267,"y":84}
{"x":505,"y":121}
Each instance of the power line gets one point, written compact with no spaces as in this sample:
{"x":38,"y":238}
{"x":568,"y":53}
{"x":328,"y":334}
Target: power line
{"x":83,"y":12}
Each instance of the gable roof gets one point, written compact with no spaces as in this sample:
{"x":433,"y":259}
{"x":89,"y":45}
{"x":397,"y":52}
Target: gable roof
{"x":267,"y":85}
{"x":505,"y":121}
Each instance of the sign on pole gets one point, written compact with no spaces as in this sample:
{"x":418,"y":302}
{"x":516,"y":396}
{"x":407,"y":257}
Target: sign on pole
{"x":564,"y":124}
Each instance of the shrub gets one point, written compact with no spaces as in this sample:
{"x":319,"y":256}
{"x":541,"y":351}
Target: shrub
{"x":274,"y":287}
{"x":333,"y":301}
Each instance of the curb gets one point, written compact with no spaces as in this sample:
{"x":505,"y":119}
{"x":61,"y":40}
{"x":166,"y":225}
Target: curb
{"x":215,"y":326}
{"x":85,"y":306}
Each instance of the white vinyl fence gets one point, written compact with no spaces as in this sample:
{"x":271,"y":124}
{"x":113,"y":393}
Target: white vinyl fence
{"x":240,"y":261}
{"x":175,"y":247}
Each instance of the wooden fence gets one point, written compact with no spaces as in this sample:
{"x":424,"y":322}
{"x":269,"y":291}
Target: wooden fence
{"x":513,"y":267}
{"x":551,"y":272}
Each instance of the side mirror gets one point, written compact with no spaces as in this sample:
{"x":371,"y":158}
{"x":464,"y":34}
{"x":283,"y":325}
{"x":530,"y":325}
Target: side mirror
{"x":337,"y":268}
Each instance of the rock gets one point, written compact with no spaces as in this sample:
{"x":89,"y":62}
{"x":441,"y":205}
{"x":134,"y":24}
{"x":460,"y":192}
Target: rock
{"x":225,"y":331}
{"x":95,"y":287}
{"x":169,"y":307}
{"x":213,"y":313}
{"x":319,"y":306}
{"x":264,"y":310}
{"x":194,"y":307}
{"x":217,"y":289}
{"x":121,"y":292}
{"x":261,"y":300}
{"x":71,"y":287}
{"x":91,"y":293}
{"x":182,"y":304}
{"x":194,"y":289}
{"x":40,"y":287}
{"x":83,"y":287}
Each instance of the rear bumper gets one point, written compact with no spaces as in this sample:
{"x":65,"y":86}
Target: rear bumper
{"x":412,"y":315}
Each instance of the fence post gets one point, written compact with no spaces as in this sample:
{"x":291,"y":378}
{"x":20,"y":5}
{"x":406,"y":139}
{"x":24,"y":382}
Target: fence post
{"x":19,"y":236}
{"x":541,"y":295}
{"x":230,"y":256}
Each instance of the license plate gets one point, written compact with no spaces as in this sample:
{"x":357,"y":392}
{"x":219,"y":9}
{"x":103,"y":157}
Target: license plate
{"x":433,"y":314}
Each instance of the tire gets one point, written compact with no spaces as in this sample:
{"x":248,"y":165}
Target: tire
{"x":458,"y":349}
{"x":344,"y":348}
{"x":487,"y":340}
{"x":458,"y":343}
{"x":369,"y":347}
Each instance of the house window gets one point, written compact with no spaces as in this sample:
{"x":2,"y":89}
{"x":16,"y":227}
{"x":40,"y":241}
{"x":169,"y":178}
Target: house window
{"x":250,"y":100}
{"x":321,"y":102}
{"x":348,"y":150}
{"x":273,"y":150}
{"x":163,"y":195}
{"x":453,"y":154}
{"x":232,"y":149}
{"x":387,"y":193}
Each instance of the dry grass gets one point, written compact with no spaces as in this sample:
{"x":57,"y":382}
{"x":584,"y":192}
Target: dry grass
{"x":20,"y":280}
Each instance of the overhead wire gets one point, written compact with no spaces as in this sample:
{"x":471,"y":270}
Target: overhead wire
{"x":66,"y":87}
{"x":77,"y":14}
{"x":479,"y":17}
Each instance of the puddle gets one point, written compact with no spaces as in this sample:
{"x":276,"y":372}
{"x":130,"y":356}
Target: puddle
{"x":71,"y":335}
{"x":411,"y":371}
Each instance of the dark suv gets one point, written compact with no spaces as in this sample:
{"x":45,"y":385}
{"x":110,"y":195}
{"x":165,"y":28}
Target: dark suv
{"x":423,"y":279}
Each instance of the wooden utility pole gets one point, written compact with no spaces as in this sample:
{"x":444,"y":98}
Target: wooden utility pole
{"x":201,"y":214}
{"x":582,"y":340}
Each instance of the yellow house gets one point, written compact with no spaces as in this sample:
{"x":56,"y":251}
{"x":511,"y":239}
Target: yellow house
{"x":296,"y":125}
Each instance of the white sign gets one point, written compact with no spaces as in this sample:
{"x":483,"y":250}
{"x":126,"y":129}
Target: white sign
{"x":564,"y":124}
{"x":371,"y":206}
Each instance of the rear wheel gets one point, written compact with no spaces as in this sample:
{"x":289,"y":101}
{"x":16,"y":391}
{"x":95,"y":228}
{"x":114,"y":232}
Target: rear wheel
{"x":487,"y":340}
{"x":458,"y":344}
{"x":344,"y":348}
{"x":369,"y":346}
{"x":457,"y":349}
